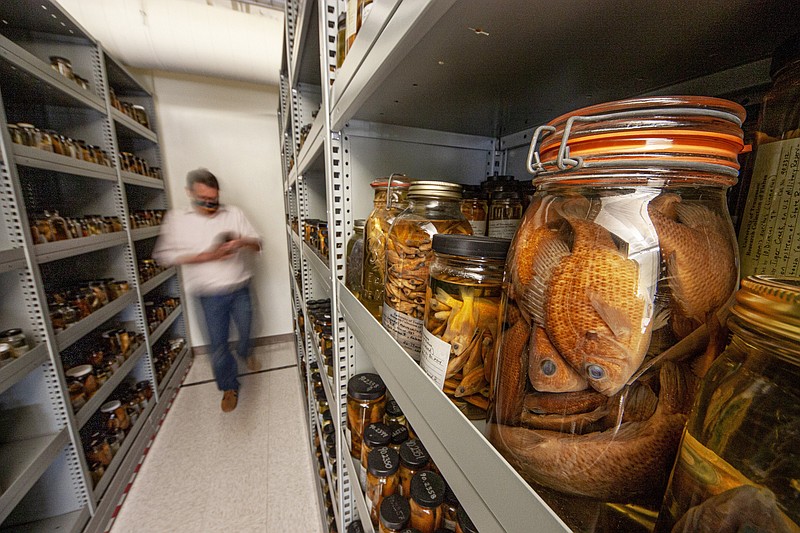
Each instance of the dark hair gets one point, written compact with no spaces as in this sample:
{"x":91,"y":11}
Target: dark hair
{"x":202,"y":175}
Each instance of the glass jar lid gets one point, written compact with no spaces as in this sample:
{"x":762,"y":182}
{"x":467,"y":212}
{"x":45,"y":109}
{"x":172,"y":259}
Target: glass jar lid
{"x":13,"y":332}
{"x":691,"y":132}
{"x":366,"y":387}
{"x":79,"y":371}
{"x":355,"y":527}
{"x":399,"y":433}
{"x":413,"y":454}
{"x":393,"y":409}
{"x":110,"y":407}
{"x":359,"y":223}
{"x":398,"y":180}
{"x":383,"y":461}
{"x":395,"y":512}
{"x":435,"y":189}
{"x":377,"y":434}
{"x":770,"y":304}
{"x":471,"y":246}
{"x":427,"y":489}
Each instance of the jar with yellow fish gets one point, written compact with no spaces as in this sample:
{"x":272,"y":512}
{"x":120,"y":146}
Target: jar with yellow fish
{"x":617,"y":286}
{"x":433,"y":207}
{"x":738,"y":466}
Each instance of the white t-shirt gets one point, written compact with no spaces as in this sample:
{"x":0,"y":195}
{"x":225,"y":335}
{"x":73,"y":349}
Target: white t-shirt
{"x":190,"y":233}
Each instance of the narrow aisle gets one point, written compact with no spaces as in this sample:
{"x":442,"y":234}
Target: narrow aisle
{"x":247,"y":471}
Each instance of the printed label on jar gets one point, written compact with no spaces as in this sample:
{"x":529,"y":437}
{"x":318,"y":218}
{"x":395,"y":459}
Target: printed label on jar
{"x":503,"y":229}
{"x":406,"y":330}
{"x":478,"y":227}
{"x":769,"y":242}
{"x":434,"y":356}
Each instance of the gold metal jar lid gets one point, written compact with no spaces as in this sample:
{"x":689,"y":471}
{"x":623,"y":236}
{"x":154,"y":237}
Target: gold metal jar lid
{"x":438,"y":189}
{"x":770,"y":304}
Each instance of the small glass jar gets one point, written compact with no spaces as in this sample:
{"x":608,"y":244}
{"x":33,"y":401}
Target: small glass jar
{"x":111,"y":342}
{"x":98,"y":450}
{"x":382,"y":465}
{"x":464,"y":523}
{"x":427,"y":496}
{"x":460,"y":333}
{"x":140,"y":115}
{"x":16,"y":339}
{"x":449,"y":508}
{"x":354,"y":272}
{"x":97,"y":470}
{"x":55,"y":142}
{"x":6,"y":353}
{"x":28,"y":133}
{"x":118,"y":288}
{"x":81,"y":378}
{"x":60,"y":232}
{"x":398,"y":435}
{"x":505,"y":214}
{"x":366,"y":400}
{"x":413,"y":458}
{"x":114,"y":444}
{"x":44,"y":140}
{"x":341,"y":47}
{"x":16,"y":134}
{"x":63,"y":66}
{"x":116,"y":416}
{"x":393,"y":414}
{"x":100,"y":290}
{"x":433,"y":208}
{"x":355,"y":527}
{"x":388,"y":201}
{"x":375,"y":435}
{"x":475,"y":209}
{"x":395,"y":512}
{"x":96,"y":357}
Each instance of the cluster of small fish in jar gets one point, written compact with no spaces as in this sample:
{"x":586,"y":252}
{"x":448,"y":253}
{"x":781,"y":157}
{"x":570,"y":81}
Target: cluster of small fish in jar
{"x":602,"y":350}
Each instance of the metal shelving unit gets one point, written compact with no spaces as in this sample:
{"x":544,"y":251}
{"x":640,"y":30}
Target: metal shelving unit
{"x":45,"y":484}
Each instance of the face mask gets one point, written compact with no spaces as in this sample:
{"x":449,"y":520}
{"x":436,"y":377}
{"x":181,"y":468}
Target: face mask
{"x":206,"y":204}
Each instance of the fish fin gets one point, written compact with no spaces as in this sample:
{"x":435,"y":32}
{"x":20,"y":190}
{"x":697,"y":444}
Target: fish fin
{"x":548,"y":257}
{"x":694,"y":215}
{"x":661,"y":319}
{"x":665,"y":204}
{"x":616,"y":319}
{"x":576,"y":206}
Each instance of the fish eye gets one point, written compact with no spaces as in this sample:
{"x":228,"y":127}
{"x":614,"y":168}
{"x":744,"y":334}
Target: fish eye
{"x":548,"y":367}
{"x":596,"y":372}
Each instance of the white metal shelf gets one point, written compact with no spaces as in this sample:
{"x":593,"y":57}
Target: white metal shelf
{"x":158,"y":279}
{"x":121,"y":80}
{"x":78,"y":330}
{"x":358,"y":490}
{"x":164,"y":326}
{"x":328,"y":470}
{"x":12,"y":259}
{"x":143,"y":181}
{"x":486,"y":485}
{"x":132,"y":128}
{"x":319,"y":266}
{"x":65,"y":523}
{"x":148,"y":232}
{"x":53,"y":251}
{"x":12,"y":372}
{"x":304,"y":57}
{"x":29,"y":156}
{"x":311,"y":151}
{"x":326,"y":380}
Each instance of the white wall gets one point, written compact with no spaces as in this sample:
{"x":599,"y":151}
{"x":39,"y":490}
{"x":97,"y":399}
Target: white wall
{"x":231,"y":128}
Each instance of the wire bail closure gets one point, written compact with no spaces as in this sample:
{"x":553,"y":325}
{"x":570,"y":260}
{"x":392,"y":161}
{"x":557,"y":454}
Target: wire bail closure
{"x":389,"y":189}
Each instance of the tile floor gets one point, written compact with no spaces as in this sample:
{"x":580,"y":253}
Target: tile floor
{"x":246,"y":471}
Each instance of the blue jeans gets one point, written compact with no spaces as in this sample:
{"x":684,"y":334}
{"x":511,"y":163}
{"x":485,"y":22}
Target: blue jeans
{"x":219,"y":310}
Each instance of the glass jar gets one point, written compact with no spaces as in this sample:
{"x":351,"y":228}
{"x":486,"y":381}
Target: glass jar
{"x":16,"y":339}
{"x":15,"y":133}
{"x":111,"y":342}
{"x":28,"y":133}
{"x":388,"y":201}
{"x":63,"y":66}
{"x":355,"y":527}
{"x":433,"y":208}
{"x":464,"y":523}
{"x":395,"y":513}
{"x":375,"y":435}
{"x":141,"y":115}
{"x":98,"y":450}
{"x":461,"y":314}
{"x":413,"y":458}
{"x":115,"y":415}
{"x":355,"y":258}
{"x":626,"y":257}
{"x":765,"y":243}
{"x":59,"y":225}
{"x":737,"y":463}
{"x":398,"y":435}
{"x":382,"y":465}
{"x":118,"y":288}
{"x":6,"y":353}
{"x":366,"y":400}
{"x":505,"y":214}
{"x":114,"y":444}
{"x":449,"y":508}
{"x":81,"y":379}
{"x":97,"y":470}
{"x":475,"y":208}
{"x":44,"y":140}
{"x":427,"y":496}
{"x":341,"y":48}
{"x":393,"y":414}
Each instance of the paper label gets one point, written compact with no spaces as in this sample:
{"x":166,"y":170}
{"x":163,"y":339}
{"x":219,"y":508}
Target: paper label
{"x":478,"y":227}
{"x":503,"y":229}
{"x":769,"y":241}
{"x":405,"y":329}
{"x":434,"y":356}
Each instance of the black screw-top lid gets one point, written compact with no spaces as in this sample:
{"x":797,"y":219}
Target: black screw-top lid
{"x":471,"y":246}
{"x":464,"y":521}
{"x":355,"y":527}
{"x":366,"y":387}
{"x":787,"y":52}
{"x":383,"y":461}
{"x":505,"y":195}
{"x":330,"y":440}
{"x":398,"y":432}
{"x":328,"y":430}
{"x":472,"y":192}
{"x":377,"y":434}
{"x":450,"y":496}
{"x":413,"y":454}
{"x":427,"y":489}
{"x":319,"y":392}
{"x":395,"y":512}
{"x":442,"y":530}
{"x":11,"y":332}
{"x":393,"y":408}
{"x":411,"y":530}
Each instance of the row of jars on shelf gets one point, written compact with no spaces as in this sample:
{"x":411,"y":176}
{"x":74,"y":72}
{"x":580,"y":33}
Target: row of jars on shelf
{"x":145,"y":218}
{"x":129,"y":162}
{"x":101,"y":359}
{"x":319,"y":313}
{"x":51,"y":141}
{"x":69,"y":305}
{"x":13,"y":345}
{"x":50,"y":226}
{"x":327,"y":501}
{"x":158,"y":311}
{"x":164,"y":355}
{"x":149,"y":268}
{"x":134,"y":111}
{"x":63,"y":66}
{"x":315,"y":234}
{"x":117,"y":419}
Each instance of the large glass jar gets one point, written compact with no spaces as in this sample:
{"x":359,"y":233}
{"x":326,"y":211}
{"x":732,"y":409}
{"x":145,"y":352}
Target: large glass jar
{"x":433,"y":207}
{"x":624,"y":260}
{"x":388,"y":202}
{"x":461,"y":312}
{"x":738,"y":466}
{"x":767,"y":234}
{"x":354,"y":274}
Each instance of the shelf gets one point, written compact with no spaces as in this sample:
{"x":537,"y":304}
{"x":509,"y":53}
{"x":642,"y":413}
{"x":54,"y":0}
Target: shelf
{"x":12,"y":372}
{"x":24,"y":461}
{"x":355,"y":487}
{"x":292,"y":181}
{"x":131,"y":128}
{"x":12,"y":259}
{"x":120,"y":456}
{"x":66,"y":523}
{"x":121,"y":80}
{"x":149,"y":232}
{"x":321,"y":268}
{"x":311,"y":151}
{"x":486,"y":485}
{"x":143,"y":181}
{"x":28,"y":156}
{"x":328,"y":471}
{"x":158,"y":279}
{"x":305,"y":48}
{"x":171,"y":372}
{"x":96,"y":319}
{"x":164,"y":326}
{"x":53,"y":251}
{"x":44,"y":16}
{"x":108,"y":387}
{"x":40,"y":83}
{"x":326,"y":381}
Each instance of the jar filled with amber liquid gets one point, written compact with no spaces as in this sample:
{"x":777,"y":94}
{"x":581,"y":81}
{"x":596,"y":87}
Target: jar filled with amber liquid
{"x":475,"y":208}
{"x":382,"y":465}
{"x":427,"y":496}
{"x":413,"y":458}
{"x":375,"y":436}
{"x":505,"y":213}
{"x":366,"y":401}
{"x":738,"y":464}
{"x":395,"y":513}
{"x":354,"y":272}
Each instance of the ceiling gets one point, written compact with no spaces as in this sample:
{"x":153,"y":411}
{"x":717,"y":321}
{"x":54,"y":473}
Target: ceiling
{"x":231,"y":39}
